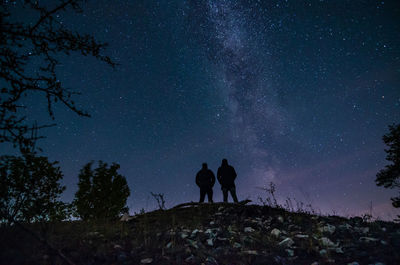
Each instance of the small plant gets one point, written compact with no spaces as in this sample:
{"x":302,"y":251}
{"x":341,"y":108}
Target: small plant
{"x":159,"y":197}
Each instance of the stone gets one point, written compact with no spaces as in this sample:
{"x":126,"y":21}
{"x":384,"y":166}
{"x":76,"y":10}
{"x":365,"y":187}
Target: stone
{"x":287,"y":242}
{"x":237,"y":245}
{"x":169,"y":245}
{"x":353,"y":263}
{"x":289,"y":252}
{"x":146,"y":261}
{"x":184,"y":235}
{"x":275,"y":232}
{"x":301,"y":236}
{"x":194,"y":232}
{"x":326,"y":242}
{"x":323,"y":252}
{"x":365,"y":239}
{"x":212,"y":223}
{"x":339,"y":250}
{"x":211,"y":261}
{"x":365,"y":230}
{"x":210,"y":242}
{"x":280,"y":219}
{"x":315,"y":263}
{"x":249,"y":229}
{"x":126,"y":217}
{"x":192,"y":243}
{"x":250,"y":252}
{"x":327,"y":229}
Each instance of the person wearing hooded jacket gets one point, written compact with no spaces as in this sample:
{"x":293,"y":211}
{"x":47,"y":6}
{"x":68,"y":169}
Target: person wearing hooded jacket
{"x":205,"y":179}
{"x":226,"y":176}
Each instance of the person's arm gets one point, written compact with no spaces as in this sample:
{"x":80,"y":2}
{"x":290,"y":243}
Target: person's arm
{"x":234,"y":173}
{"x":197,"y":179}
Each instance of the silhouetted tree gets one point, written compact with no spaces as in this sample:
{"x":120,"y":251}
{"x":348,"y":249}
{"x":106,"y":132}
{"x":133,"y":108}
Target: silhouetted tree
{"x":29,"y":54}
{"x":389,"y":177}
{"x":30,"y":190}
{"x":102,"y":192}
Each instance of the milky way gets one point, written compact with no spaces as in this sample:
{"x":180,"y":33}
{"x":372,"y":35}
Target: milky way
{"x":294,"y":92}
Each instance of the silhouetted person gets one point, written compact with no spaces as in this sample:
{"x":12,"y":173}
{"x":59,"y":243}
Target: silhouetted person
{"x":226,"y":177}
{"x":205,"y":179}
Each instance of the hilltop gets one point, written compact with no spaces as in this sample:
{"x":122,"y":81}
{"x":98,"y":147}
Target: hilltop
{"x":218,"y":233}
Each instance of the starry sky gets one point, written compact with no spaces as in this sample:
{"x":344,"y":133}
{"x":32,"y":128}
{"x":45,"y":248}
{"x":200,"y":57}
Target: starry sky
{"x":294,"y":92}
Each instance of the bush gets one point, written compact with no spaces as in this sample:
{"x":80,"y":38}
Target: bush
{"x":102,"y":192}
{"x":30,"y":189}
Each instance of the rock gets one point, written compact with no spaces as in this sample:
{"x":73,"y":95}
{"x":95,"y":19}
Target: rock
{"x":249,"y":229}
{"x":353,"y":263}
{"x":365,"y":230}
{"x":210,"y":242}
{"x":368,"y":239}
{"x":192,"y":243}
{"x":326,"y":242}
{"x":126,"y":217}
{"x":194,"y":233}
{"x":339,"y":250}
{"x":212,"y":223}
{"x":383,"y":242}
{"x":289,"y":252}
{"x":314,"y":263}
{"x":323,"y":252}
{"x":211,"y":261}
{"x":184,"y":235}
{"x":169,"y":245}
{"x":275,"y":232}
{"x":280,"y":219}
{"x":146,"y":261}
{"x":250,"y":252}
{"x":301,"y":236}
{"x":190,"y":259}
{"x":116,"y":246}
{"x":327,"y":229}
{"x":237,"y":245}
{"x":287,"y":242}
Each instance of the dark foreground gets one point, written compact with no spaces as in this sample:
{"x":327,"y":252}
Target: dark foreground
{"x":210,"y":234}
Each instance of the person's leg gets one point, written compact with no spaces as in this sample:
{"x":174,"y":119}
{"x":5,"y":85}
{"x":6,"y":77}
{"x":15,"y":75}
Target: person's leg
{"x":233,"y":194}
{"x":225,"y":193}
{"x":210,"y":195}
{"x":202,"y":194}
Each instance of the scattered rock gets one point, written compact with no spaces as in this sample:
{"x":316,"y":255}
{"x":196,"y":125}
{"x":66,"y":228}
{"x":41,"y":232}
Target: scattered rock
{"x":210,"y":242}
{"x":250,"y":252}
{"x":237,"y":245}
{"x":368,"y":239}
{"x":301,"y":236}
{"x":146,"y":261}
{"x":289,"y":252}
{"x":249,"y":229}
{"x":323,"y":252}
{"x":353,"y":263}
{"x":275,"y":232}
{"x":280,"y":219}
{"x":326,"y":242}
{"x":327,"y":229}
{"x":287,"y":242}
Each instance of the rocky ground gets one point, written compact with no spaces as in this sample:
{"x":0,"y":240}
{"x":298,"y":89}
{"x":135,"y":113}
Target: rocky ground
{"x":214,"y":234}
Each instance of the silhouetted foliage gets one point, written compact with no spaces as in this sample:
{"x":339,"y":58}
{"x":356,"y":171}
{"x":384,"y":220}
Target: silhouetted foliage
{"x":102,"y":192}
{"x":29,"y":54}
{"x":30,"y":189}
{"x":389,"y":177}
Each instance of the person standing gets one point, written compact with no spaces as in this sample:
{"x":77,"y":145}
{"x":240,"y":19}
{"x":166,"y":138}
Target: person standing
{"x":226,"y":177}
{"x":205,"y":179}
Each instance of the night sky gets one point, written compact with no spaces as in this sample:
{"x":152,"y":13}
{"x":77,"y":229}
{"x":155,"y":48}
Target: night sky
{"x":294,"y":92}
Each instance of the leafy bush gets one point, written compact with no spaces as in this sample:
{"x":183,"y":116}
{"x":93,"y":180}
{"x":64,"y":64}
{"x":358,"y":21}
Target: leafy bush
{"x":30,"y":189}
{"x":102,"y":192}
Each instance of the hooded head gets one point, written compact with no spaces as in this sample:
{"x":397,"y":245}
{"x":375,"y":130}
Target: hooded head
{"x":204,"y":166}
{"x":224,"y":162}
